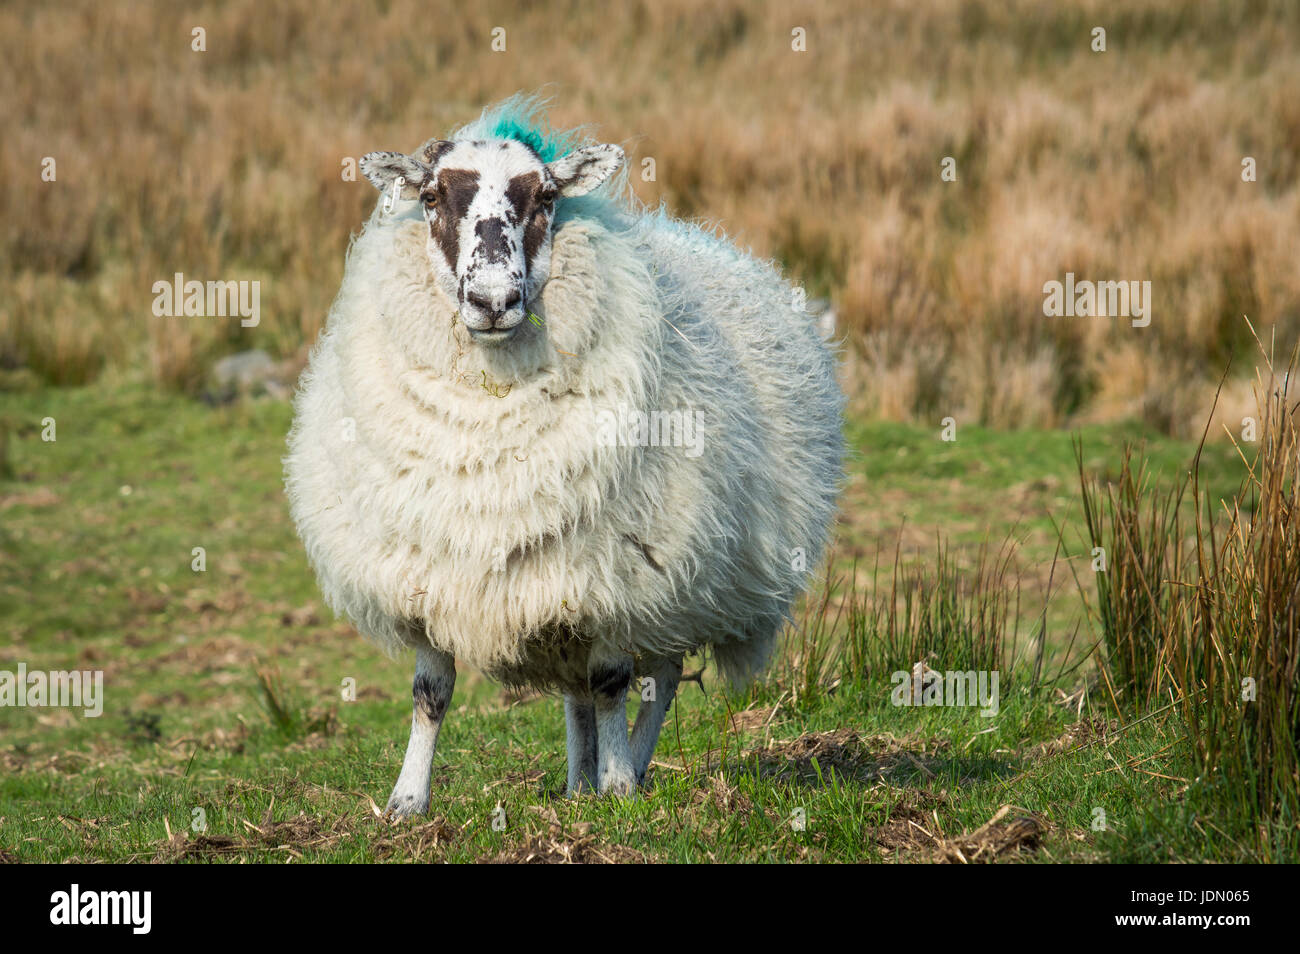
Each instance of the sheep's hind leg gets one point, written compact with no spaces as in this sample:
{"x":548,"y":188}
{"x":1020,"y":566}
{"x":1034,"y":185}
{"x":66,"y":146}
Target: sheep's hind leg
{"x":650,"y":716}
{"x":435,"y":678}
{"x":608,"y":677}
{"x":580,"y":741}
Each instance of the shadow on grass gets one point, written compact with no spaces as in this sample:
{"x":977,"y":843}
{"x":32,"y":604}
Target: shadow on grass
{"x":811,"y":758}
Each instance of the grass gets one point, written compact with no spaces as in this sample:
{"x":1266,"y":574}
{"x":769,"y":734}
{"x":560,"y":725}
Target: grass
{"x":311,"y":800}
{"x":150,"y":540}
{"x":225,"y":688}
{"x":1138,"y":563}
{"x":1209,"y":620}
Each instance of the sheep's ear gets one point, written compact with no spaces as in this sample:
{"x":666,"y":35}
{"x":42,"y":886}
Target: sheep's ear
{"x":383,"y":168}
{"x":582,"y":170}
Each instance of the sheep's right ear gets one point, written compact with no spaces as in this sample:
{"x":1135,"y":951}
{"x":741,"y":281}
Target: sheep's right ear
{"x":580,"y":171}
{"x":383,"y":168}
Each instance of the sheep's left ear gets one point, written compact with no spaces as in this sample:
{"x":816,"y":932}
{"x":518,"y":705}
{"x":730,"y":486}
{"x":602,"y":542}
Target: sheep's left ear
{"x":583,"y":169}
{"x":383,"y":169}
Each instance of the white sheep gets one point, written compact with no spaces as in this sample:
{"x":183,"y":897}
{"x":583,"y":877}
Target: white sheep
{"x":560,"y":437}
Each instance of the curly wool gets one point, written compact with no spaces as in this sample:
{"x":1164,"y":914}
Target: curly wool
{"x":470,"y":496}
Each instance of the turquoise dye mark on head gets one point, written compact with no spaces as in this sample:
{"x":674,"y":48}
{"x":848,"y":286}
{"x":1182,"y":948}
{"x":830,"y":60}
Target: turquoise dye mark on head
{"x":522,"y":118}
{"x":510,"y":128}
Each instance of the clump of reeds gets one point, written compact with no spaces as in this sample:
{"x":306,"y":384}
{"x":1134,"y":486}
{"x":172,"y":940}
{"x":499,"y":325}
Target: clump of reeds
{"x":1208,"y":623}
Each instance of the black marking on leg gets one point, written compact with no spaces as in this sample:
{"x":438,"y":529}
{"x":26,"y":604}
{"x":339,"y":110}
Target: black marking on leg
{"x":431,"y":695}
{"x":611,"y":681}
{"x":405,"y":804}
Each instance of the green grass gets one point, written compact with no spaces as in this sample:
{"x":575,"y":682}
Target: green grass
{"x":224,"y":687}
{"x":934,"y":769}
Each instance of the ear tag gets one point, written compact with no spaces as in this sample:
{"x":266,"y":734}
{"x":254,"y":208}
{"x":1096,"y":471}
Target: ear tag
{"x":390,"y":198}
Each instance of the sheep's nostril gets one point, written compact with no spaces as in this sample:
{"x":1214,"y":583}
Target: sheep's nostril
{"x":478,"y":301}
{"x":488,"y":306}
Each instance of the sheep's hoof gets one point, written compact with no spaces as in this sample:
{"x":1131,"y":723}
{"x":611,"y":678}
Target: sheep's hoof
{"x":621,"y":784}
{"x":405,"y":806}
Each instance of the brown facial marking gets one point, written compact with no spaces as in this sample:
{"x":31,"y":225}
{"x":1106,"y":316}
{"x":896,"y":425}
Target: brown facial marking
{"x":521,"y":193}
{"x":432,"y":151}
{"x":534,"y":234}
{"x":493,"y":245}
{"x":524,"y":196}
{"x":455,"y":189}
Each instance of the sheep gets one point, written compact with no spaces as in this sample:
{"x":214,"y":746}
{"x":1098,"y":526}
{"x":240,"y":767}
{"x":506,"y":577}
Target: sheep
{"x":560,"y":437}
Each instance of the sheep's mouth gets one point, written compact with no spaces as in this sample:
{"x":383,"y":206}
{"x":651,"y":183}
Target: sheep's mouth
{"x":493,"y":336}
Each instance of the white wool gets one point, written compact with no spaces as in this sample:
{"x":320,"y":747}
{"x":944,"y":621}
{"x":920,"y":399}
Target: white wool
{"x":462,"y":494}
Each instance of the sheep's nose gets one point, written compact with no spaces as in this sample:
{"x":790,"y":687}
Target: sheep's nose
{"x":489,"y":306}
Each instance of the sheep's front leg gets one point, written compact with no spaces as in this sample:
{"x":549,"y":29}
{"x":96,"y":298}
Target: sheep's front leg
{"x":435,"y":679}
{"x":608,"y":677}
{"x":650,"y":716}
{"x":580,"y":741}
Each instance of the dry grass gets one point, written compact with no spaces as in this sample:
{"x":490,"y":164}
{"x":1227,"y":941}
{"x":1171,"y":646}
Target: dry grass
{"x":291,"y":838}
{"x":904,"y":614}
{"x":1207,"y":619}
{"x":1239,"y":653}
{"x":1118,"y":165}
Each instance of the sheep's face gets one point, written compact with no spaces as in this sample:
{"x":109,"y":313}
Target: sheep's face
{"x":490,"y":208}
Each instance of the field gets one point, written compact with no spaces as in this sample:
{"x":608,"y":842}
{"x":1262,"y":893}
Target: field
{"x":224,"y":687}
{"x":150,"y":540}
{"x":1119,"y":165}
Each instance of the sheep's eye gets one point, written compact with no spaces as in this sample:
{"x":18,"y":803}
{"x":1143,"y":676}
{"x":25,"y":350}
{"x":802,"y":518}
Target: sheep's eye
{"x":429,"y":199}
{"x":548,"y":197}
